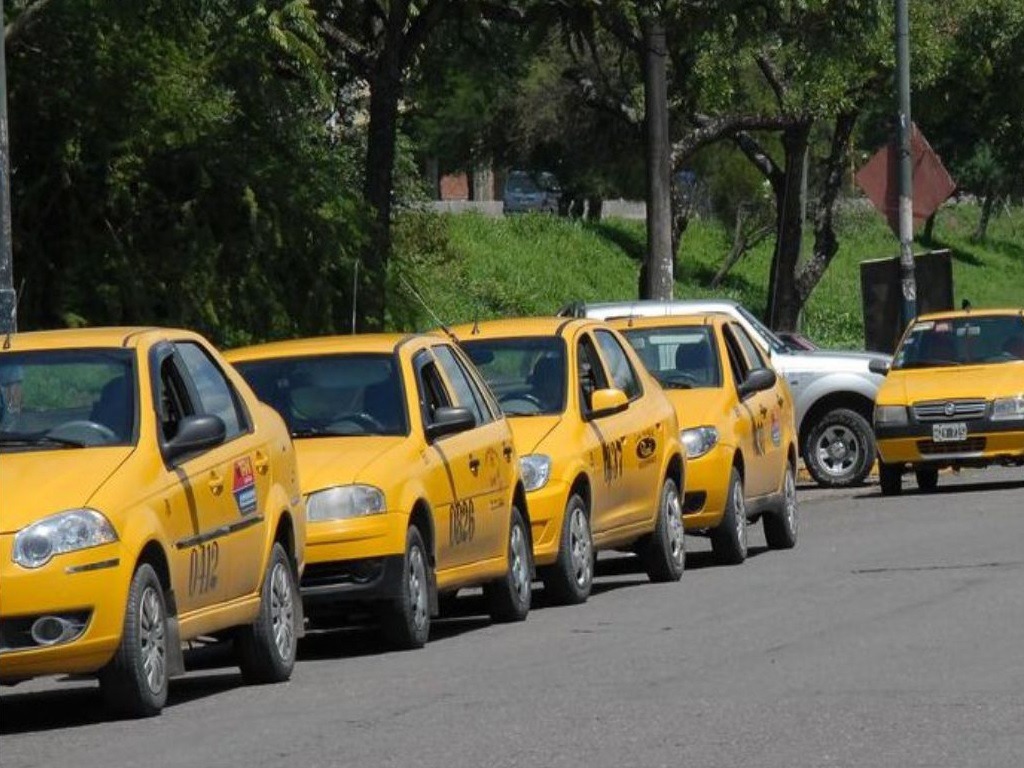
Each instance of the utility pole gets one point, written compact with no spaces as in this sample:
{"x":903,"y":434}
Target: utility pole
{"x":660,"y":280}
{"x":8,"y":298}
{"x":908,"y":282}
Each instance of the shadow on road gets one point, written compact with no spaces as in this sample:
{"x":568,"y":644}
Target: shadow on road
{"x":944,"y":490}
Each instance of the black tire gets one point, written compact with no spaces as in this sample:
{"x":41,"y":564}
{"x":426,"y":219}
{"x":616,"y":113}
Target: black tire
{"x":729,"y":537}
{"x":508,"y":598}
{"x":780,"y":525}
{"x":267,"y":647}
{"x":839,"y":449}
{"x":569,"y":580}
{"x":927,"y":479}
{"x":890,"y":478}
{"x":664,"y":557}
{"x":405,"y":622}
{"x":128,"y":687}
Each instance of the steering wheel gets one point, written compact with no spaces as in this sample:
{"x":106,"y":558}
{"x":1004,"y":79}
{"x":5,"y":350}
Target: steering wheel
{"x":85,"y":431}
{"x":526,"y":397}
{"x":363,"y":419}
{"x":683,"y":376}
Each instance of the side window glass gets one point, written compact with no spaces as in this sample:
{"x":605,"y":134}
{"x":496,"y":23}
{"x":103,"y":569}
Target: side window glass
{"x":752,"y":351}
{"x":590,"y":373}
{"x":623,"y":375}
{"x":216,"y":396}
{"x":488,"y":403}
{"x":432,"y":392}
{"x":172,"y":401}
{"x":736,"y":359}
{"x":466,"y":395}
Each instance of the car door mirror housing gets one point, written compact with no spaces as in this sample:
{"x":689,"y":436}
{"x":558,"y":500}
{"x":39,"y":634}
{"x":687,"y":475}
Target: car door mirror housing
{"x":758,"y":380}
{"x":196,"y":433}
{"x":605,"y":402}
{"x":450,"y":421}
{"x":881,"y":367}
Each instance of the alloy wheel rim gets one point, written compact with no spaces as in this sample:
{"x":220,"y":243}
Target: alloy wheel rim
{"x":790,"y":499}
{"x":580,"y":547}
{"x":418,"y":587}
{"x":282,"y":611}
{"x":520,"y":574}
{"x":673,"y":512}
{"x":740,"y":507}
{"x":153,"y":640}
{"x":838,"y":450}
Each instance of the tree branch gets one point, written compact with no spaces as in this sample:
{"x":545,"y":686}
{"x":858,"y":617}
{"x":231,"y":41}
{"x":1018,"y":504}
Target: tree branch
{"x":23,"y":20}
{"x":425,"y":21}
{"x":773,"y":77}
{"x":350,"y":47}
{"x":708,"y":130}
{"x":760,"y":158}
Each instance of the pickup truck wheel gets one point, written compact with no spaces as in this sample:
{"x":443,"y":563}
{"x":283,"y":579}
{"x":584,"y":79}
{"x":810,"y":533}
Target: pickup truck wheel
{"x":266,"y":648}
{"x":927,"y":479}
{"x":839,"y":449}
{"x":664,"y":558}
{"x":729,"y":538}
{"x":890,"y":478}
{"x":569,"y":580}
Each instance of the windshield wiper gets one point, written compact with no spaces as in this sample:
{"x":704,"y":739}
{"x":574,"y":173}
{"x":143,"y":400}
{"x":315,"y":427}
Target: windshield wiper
{"x":321,"y":432}
{"x":38,"y":438}
{"x":676,"y":385}
{"x":930,"y":364}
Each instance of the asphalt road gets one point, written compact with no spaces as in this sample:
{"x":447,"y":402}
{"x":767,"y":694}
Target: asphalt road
{"x":893,"y":635}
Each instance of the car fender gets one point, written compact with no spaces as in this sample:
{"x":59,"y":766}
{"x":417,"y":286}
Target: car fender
{"x":809,"y":388}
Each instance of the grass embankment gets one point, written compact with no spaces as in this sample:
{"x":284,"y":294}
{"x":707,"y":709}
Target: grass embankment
{"x":470,"y":267}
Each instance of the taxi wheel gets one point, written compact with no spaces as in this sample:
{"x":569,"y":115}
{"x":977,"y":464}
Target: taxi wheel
{"x":927,"y":479}
{"x":664,"y":557}
{"x":406,"y":619}
{"x":890,"y":478}
{"x":729,"y":538}
{"x":780,"y":526}
{"x":134,"y":683}
{"x":508,"y":598}
{"x":839,"y":449}
{"x":266,"y":649}
{"x":569,"y":580}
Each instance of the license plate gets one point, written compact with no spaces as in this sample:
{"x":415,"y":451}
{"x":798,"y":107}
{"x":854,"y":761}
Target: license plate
{"x":949,"y":433}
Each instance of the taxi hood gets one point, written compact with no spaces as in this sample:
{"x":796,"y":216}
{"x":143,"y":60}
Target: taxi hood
{"x":529,"y":431}
{"x":34,"y":484}
{"x":328,"y":461}
{"x":698,"y":407}
{"x":953,"y":383}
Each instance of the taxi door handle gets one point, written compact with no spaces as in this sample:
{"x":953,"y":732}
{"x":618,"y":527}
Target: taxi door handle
{"x":508,"y":452}
{"x":779,"y":400}
{"x":216,"y":483}
{"x":474,"y":465}
{"x":261,"y":462}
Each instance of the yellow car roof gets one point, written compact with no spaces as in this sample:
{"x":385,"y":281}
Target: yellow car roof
{"x":82,"y":338}
{"x":322,"y":345}
{"x":669,"y":321}
{"x":959,"y":313}
{"x":519,"y":327}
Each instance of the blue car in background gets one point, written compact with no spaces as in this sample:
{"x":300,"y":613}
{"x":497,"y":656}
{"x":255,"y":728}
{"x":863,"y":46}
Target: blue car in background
{"x":525,"y":192}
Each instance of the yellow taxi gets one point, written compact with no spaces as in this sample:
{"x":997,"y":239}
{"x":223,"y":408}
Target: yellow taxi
{"x":410,"y":476}
{"x":736,"y":418}
{"x":599,"y":445}
{"x":954,"y":397}
{"x":148,"y":498}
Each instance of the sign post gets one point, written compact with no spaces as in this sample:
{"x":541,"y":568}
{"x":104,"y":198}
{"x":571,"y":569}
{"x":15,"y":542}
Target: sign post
{"x":908,"y":284}
{"x":8,"y":298}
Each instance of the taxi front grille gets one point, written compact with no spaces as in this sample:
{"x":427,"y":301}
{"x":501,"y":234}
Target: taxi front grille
{"x":944,"y":410}
{"x":970,"y":445}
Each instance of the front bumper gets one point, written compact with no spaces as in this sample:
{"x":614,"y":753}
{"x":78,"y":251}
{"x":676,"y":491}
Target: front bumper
{"x":90,"y":585}
{"x":988,"y":442}
{"x":706,"y":488}
{"x":547,"y":512}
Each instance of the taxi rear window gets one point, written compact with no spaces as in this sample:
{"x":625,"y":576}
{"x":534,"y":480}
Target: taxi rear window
{"x":67,"y":398}
{"x":332,"y":395}
{"x":526,"y":374}
{"x":678,"y":357}
{"x":970,"y":340}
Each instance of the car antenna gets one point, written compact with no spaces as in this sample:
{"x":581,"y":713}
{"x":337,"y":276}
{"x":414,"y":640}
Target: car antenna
{"x":14,"y":315}
{"x":440,"y":323}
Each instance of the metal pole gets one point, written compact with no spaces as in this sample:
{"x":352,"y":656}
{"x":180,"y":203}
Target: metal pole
{"x":908,"y":282}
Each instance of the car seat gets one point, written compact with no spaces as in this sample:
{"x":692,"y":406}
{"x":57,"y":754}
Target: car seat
{"x":695,"y":360}
{"x":113,"y":408}
{"x":547,"y":380}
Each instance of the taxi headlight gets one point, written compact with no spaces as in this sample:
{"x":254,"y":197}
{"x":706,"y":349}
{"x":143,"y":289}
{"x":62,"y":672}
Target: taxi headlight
{"x":69,"y":531}
{"x":891,"y":415}
{"x":1008,"y":408}
{"x":535,"y":469}
{"x":698,"y":440}
{"x":344,"y":502}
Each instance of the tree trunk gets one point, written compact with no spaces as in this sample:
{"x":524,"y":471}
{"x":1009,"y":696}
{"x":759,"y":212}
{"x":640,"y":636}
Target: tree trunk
{"x":929,"y":229}
{"x":382,"y":134}
{"x":986,"y":214}
{"x":682,"y":208}
{"x":659,"y":280}
{"x":783,"y":299}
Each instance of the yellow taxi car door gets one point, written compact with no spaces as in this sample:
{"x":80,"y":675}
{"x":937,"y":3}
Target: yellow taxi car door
{"x":755,"y":415}
{"x":229,"y":484}
{"x":644,"y":443}
{"x":779,"y":409}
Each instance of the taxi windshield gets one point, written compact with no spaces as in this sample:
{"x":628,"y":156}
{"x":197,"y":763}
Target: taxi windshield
{"x":526,"y":374}
{"x":679,"y":357}
{"x":67,"y":399}
{"x":969,"y":340}
{"x":332,"y":395}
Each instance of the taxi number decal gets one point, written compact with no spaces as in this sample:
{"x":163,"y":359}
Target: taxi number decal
{"x":612,"y":455}
{"x":244,"y":487}
{"x":202,"y":568}
{"x":462,"y":523}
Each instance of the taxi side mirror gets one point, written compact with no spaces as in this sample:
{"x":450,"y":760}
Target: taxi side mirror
{"x":881,"y":367}
{"x":757,"y":380}
{"x":195,"y":434}
{"x":449,"y":421}
{"x":605,"y":402}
